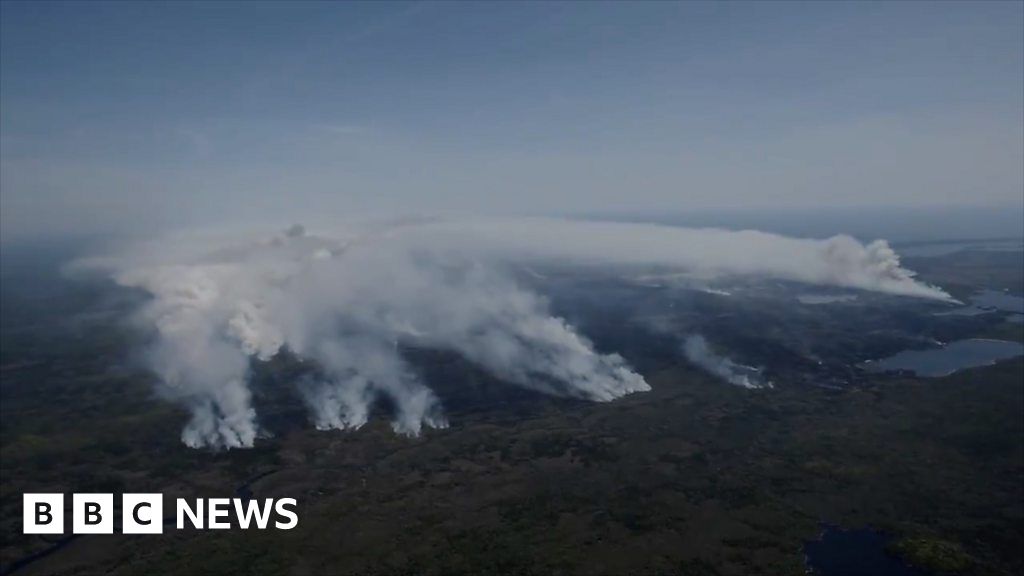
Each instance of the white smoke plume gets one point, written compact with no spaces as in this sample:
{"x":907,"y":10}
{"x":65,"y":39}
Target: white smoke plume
{"x":837,"y":261}
{"x":347,"y":298}
{"x":697,"y":351}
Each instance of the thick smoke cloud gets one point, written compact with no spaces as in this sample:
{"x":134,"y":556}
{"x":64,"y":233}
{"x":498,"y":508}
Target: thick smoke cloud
{"x":697,"y":351}
{"x":348,"y":299}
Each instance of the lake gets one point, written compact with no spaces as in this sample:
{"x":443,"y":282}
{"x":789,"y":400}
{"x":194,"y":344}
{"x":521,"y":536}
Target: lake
{"x":859,"y":552}
{"x":987,"y":301}
{"x":949,"y":358}
{"x":813,"y":299}
{"x":999,"y":301}
{"x":934,"y":249}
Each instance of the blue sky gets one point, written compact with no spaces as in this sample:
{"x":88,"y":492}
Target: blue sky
{"x":148,"y":114}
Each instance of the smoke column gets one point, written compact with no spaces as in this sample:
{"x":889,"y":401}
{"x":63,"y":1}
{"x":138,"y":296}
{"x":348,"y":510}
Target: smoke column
{"x":697,"y":351}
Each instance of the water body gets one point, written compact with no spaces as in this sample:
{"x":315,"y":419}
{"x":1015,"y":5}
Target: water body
{"x":825,"y":298}
{"x":987,"y":301}
{"x":858,"y":552}
{"x":949,"y":358}
{"x":999,"y":300}
{"x":931,"y":250}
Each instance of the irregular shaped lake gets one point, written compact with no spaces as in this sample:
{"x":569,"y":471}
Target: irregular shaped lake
{"x":948,"y":359}
{"x":987,"y":301}
{"x":927,"y":250}
{"x":813,"y":299}
{"x":999,"y":301}
{"x":854,"y":553}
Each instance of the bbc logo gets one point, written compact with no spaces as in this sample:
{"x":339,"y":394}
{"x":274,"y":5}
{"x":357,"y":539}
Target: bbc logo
{"x":144,"y":513}
{"x":93,"y":514}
